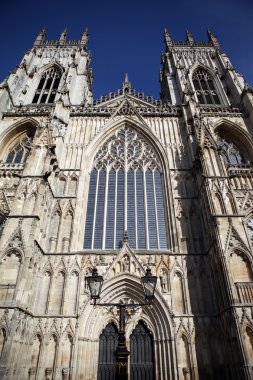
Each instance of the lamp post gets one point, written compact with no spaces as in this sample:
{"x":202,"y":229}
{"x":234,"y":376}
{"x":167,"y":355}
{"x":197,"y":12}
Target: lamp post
{"x":95,"y":283}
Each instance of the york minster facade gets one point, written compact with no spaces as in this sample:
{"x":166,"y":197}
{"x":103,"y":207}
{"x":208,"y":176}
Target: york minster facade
{"x":124,"y":183}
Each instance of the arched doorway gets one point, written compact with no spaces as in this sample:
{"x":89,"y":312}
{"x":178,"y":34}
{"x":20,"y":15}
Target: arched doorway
{"x":107,"y":345}
{"x":141,"y":354}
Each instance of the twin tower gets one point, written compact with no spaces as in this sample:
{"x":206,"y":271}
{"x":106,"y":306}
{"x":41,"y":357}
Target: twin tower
{"x":121,"y":184}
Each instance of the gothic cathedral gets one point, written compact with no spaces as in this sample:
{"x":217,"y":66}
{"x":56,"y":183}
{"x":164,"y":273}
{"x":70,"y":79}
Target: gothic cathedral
{"x":121,"y":184}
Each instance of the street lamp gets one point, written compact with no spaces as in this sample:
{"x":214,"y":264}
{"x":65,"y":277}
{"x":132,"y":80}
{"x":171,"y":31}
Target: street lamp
{"x":95,"y":283}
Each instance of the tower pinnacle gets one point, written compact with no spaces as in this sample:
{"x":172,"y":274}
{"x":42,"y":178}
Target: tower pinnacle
{"x":126,"y":85}
{"x":167,"y":38}
{"x":213,"y":39}
{"x":85,"y":37}
{"x":63,"y":36}
{"x":40,"y":37}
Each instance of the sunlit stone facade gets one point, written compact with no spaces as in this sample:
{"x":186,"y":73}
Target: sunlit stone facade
{"x":124,"y":183}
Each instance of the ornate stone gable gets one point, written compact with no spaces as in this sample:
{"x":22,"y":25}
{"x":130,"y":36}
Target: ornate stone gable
{"x":234,"y":240}
{"x":126,"y":261}
{"x":131,"y":103}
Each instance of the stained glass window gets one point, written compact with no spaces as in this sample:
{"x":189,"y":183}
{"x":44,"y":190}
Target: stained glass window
{"x":126,"y":193}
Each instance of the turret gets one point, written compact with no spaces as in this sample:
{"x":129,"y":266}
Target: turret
{"x":40,"y":37}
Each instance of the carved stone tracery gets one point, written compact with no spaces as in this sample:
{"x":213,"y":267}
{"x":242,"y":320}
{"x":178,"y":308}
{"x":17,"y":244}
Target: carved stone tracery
{"x":126,"y":150}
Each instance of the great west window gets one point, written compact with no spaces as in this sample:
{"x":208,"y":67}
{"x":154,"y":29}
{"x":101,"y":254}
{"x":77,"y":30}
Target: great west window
{"x":126,"y":194}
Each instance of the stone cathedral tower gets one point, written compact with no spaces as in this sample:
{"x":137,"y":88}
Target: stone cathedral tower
{"x":123,"y":183}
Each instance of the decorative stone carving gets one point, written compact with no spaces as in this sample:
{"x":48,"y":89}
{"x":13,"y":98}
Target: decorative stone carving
{"x":4,"y":208}
{"x":48,"y":373}
{"x":139,"y":152}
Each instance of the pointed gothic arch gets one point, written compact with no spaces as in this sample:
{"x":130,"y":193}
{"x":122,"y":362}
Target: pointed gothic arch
{"x":16,"y":142}
{"x":127,"y":177}
{"x":236,"y":135}
{"x":183,"y":357}
{"x":242,"y":275}
{"x":157,"y":320}
{"x":49,"y":80}
{"x":205,"y":87}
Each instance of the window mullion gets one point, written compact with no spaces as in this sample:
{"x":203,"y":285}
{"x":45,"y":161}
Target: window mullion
{"x":210,"y":92}
{"x":156,"y":216}
{"x":50,"y":89}
{"x":125,"y":191}
{"x":135,"y":210}
{"x":95,"y":212}
{"x":105,"y":208}
{"x":42,"y":90}
{"x":115,"y":210}
{"x":146,"y":209}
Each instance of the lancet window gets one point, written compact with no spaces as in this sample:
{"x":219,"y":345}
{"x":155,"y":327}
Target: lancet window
{"x":48,"y":86}
{"x":19,"y":151}
{"x":205,"y":88}
{"x":229,"y":151}
{"x":126,"y":193}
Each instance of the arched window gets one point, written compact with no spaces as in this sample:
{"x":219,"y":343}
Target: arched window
{"x":18,"y":152}
{"x":48,"y":86}
{"x":242,"y":276}
{"x":205,"y":88}
{"x":229,"y":151}
{"x":126,"y":194}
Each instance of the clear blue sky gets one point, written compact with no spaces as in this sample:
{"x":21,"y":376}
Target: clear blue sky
{"x":127,"y":36}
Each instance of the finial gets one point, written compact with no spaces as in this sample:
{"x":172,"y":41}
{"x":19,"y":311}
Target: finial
{"x":213,"y":39}
{"x":63,"y":36}
{"x":85,"y":37}
{"x":40,"y":37}
{"x":126,"y":86}
{"x":167,"y":38}
{"x":125,"y":237}
{"x":189,"y":37}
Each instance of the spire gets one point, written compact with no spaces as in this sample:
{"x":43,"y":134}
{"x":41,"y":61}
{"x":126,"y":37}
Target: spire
{"x":213,"y":39}
{"x":85,"y":37}
{"x":167,"y":38}
{"x":126,"y":85}
{"x":40,"y":37}
{"x":63,"y":36}
{"x":189,"y":37}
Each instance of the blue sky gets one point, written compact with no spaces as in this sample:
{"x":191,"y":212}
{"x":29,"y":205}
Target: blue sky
{"x":128,"y":36}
